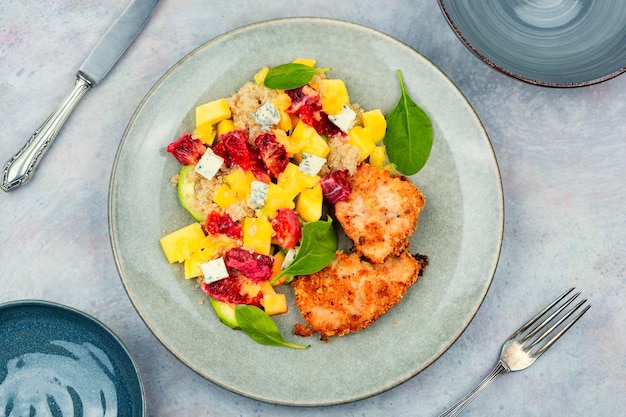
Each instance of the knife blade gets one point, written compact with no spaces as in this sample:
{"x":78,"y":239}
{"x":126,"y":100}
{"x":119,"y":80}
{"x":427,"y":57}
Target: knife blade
{"x":19,"y":169}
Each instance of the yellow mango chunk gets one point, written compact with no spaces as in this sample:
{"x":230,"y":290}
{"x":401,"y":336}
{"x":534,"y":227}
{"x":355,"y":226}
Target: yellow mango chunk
{"x":317,"y":145}
{"x":275,"y":304}
{"x":210,"y":248}
{"x":299,"y":137}
{"x":360,"y":137}
{"x":277,"y":198}
{"x":212,"y":112}
{"x":378,"y":157}
{"x":282,"y":102}
{"x":192,"y":265}
{"x":259,"y":77}
{"x":267,"y":288}
{"x":305,"y":61}
{"x":306,"y":139}
{"x":205,"y":133}
{"x":283,"y":139}
{"x":333,"y":95}
{"x":391,"y":168}
{"x":239,"y":182}
{"x":225,"y":126}
{"x":249,"y":288}
{"x":193,"y":262}
{"x":285,"y":122}
{"x":292,"y":181}
{"x":257,"y":235}
{"x":224,"y":196}
{"x":374,"y":122}
{"x":180,"y":244}
{"x":294,"y":119}
{"x":309,"y":204}
{"x":279,"y":257}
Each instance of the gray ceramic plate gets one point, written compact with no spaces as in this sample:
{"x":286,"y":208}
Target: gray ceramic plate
{"x":556,"y":43}
{"x":59,"y":361}
{"x":460,"y":229}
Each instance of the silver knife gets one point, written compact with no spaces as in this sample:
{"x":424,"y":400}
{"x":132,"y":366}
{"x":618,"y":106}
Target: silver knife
{"x":20,"y":168}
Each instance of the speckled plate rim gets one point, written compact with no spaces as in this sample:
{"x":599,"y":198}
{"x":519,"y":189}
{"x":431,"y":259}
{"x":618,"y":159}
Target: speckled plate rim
{"x":359,"y":365}
{"x":83,"y":319}
{"x":514,"y":75}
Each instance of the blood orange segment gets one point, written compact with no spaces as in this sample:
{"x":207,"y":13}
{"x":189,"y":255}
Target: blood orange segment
{"x":186,"y":149}
{"x":287,"y":228}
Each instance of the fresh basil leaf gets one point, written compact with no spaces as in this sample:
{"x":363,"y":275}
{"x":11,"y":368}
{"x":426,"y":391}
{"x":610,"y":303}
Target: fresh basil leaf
{"x":319,"y":244}
{"x":290,"y":76}
{"x":409,"y":135}
{"x":260,"y":327}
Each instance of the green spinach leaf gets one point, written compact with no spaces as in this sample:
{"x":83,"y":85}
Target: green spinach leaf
{"x":319,"y":244}
{"x":260,"y":327}
{"x":409,"y":136}
{"x":290,"y":76}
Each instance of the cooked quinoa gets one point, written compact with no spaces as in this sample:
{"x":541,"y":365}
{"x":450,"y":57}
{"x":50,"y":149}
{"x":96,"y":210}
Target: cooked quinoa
{"x":243,"y":104}
{"x":342,"y":156}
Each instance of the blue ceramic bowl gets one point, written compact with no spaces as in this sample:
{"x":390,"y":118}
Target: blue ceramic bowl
{"x":555,"y":43}
{"x":55,"y":360}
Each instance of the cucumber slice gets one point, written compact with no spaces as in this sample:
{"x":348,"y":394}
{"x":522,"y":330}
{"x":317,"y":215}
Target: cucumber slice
{"x":187,"y":190}
{"x":225,"y":312}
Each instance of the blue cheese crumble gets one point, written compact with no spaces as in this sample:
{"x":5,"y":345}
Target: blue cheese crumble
{"x":311,"y":164}
{"x":258,"y":194}
{"x":214,"y":270}
{"x":209,"y":164}
{"x":345,"y":119}
{"x":267,"y":116}
{"x":290,"y":256}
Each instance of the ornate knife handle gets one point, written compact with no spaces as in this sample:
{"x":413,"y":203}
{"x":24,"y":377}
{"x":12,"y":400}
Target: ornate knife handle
{"x":20,"y":168}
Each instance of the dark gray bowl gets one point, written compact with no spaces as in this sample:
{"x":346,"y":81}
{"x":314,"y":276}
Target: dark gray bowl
{"x":554,"y":43}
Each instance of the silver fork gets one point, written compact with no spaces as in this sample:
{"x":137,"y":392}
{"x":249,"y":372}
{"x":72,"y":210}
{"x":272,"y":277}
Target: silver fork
{"x":524,"y":346}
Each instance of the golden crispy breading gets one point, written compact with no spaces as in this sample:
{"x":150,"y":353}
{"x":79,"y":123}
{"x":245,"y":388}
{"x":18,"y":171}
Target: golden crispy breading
{"x":381,"y":213}
{"x":350,"y":293}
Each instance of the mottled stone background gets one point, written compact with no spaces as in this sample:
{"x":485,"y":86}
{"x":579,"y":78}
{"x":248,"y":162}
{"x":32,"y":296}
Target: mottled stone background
{"x":561,"y":153}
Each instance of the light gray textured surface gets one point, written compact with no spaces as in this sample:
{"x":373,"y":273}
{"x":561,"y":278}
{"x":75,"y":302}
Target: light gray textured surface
{"x":560,"y":152}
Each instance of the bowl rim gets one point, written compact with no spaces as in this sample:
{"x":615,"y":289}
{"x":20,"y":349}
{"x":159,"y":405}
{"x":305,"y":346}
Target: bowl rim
{"x":514,"y":75}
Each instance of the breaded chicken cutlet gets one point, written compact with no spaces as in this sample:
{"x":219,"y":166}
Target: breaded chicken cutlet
{"x":348,"y":295}
{"x":381,"y":213}
{"x":351,"y":293}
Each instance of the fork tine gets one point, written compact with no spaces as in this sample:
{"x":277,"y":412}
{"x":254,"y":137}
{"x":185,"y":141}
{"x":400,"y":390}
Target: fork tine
{"x":532,"y":321}
{"x":565,"y":328}
{"x":546,"y":321}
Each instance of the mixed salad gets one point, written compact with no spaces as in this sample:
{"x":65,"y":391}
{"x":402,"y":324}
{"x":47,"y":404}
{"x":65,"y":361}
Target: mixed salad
{"x":256,"y":173}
